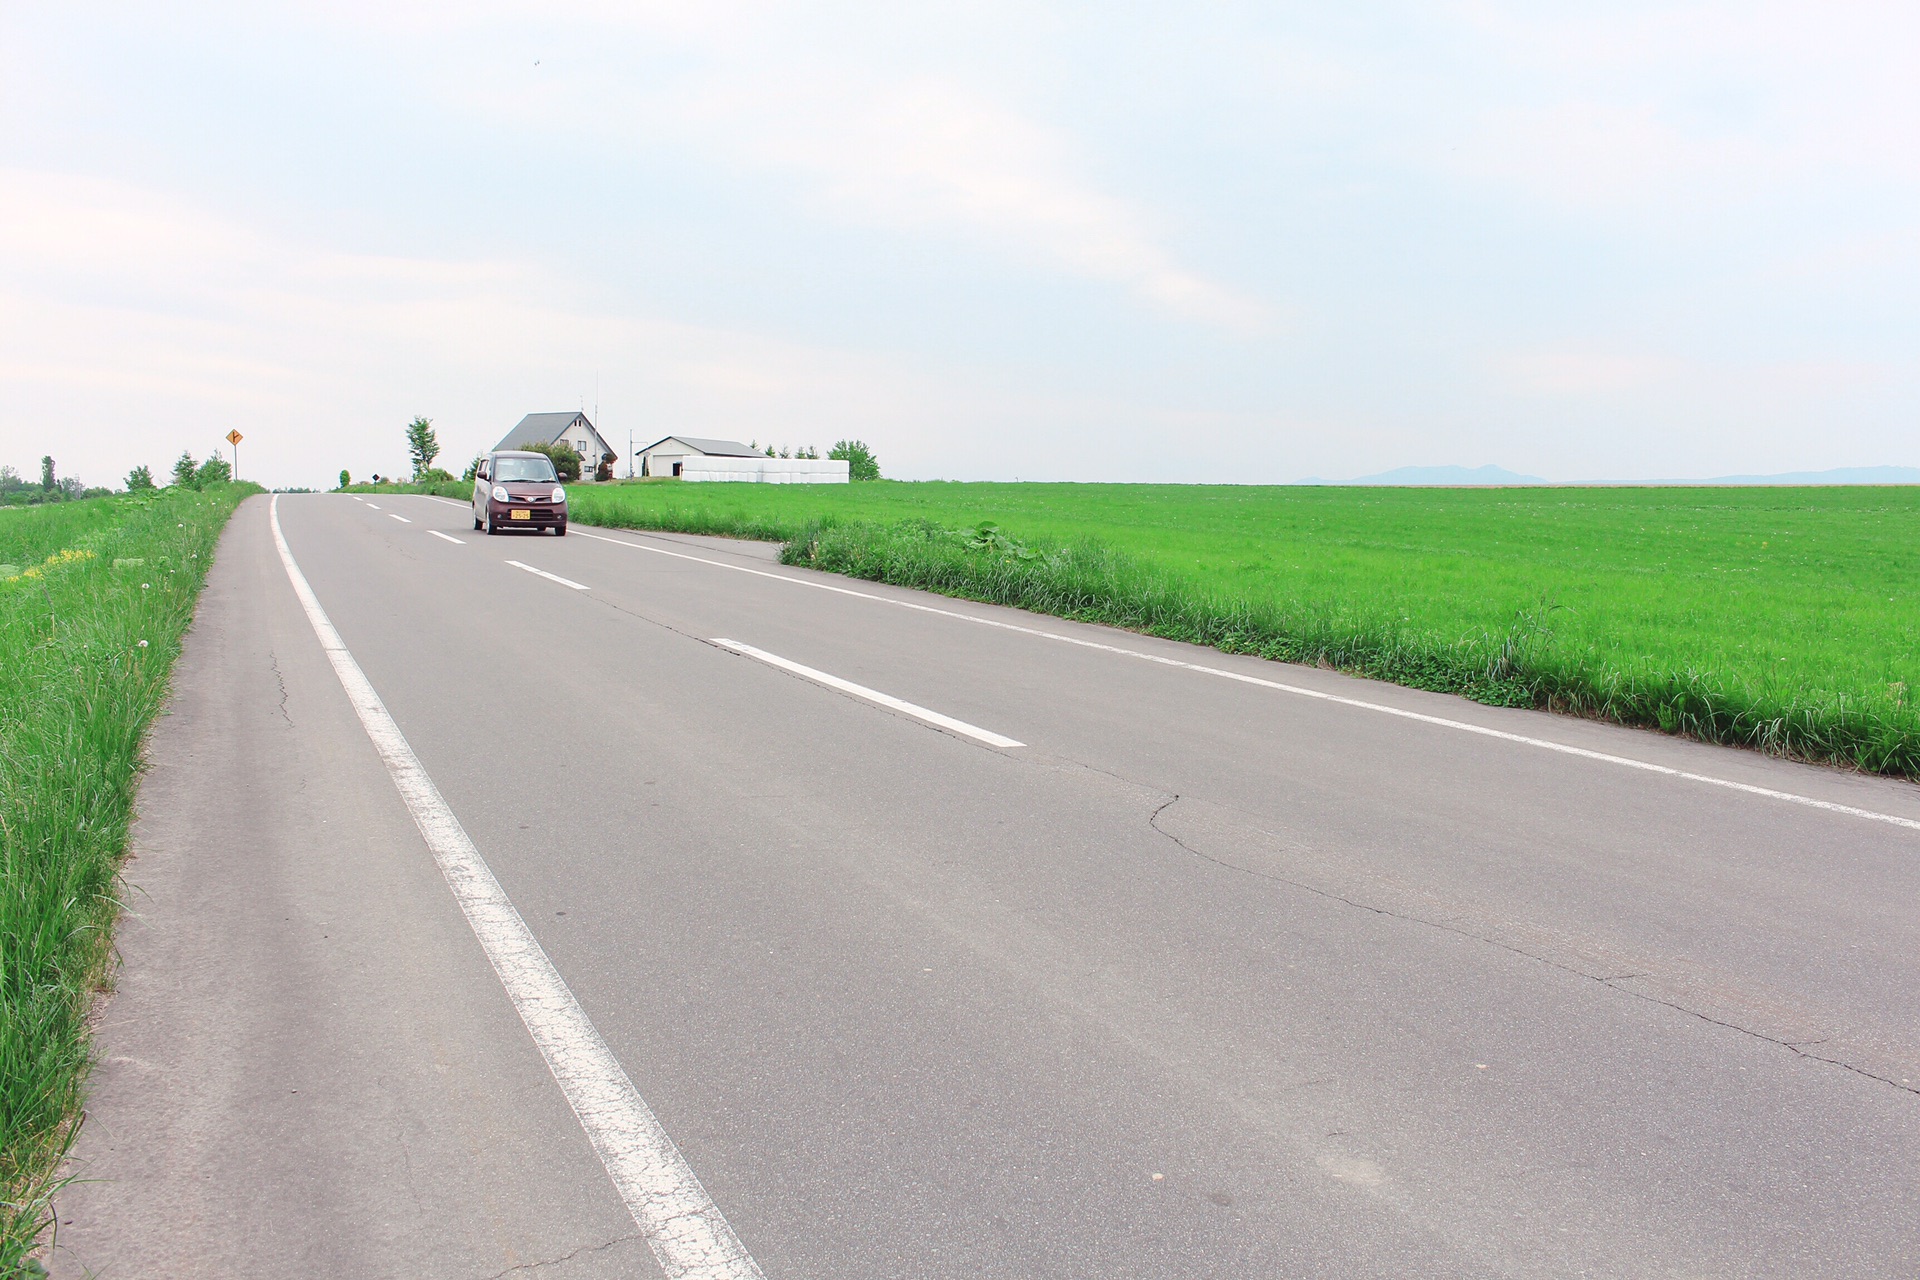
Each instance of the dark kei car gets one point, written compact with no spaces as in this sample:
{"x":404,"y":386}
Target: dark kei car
{"x":517,"y":490}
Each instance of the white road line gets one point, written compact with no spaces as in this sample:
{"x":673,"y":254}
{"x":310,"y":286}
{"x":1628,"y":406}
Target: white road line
{"x":401,"y":519}
{"x":446,"y":537}
{"x":551,"y":577}
{"x":681,"y":1223}
{"x":371,"y":507}
{"x":918,"y":712}
{"x":1443,"y":722}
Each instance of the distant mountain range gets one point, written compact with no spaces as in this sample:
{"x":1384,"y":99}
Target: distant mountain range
{"x":1492,"y":476}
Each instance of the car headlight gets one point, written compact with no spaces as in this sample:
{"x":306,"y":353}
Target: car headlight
{"x":500,"y":494}
{"x":559,"y":494}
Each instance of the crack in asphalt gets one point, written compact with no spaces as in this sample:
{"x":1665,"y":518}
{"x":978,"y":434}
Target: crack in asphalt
{"x":273,"y":660}
{"x":1798,"y":1049}
{"x":565,"y":1257}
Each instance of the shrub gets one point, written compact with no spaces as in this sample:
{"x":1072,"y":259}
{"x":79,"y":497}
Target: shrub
{"x":860,"y":460}
{"x":566,"y":461}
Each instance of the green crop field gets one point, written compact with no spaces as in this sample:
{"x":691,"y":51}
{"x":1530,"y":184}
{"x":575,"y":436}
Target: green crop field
{"x":1780,"y":618}
{"x":94,"y":598}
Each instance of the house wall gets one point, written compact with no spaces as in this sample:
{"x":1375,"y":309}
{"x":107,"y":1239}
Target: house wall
{"x":582,"y":441}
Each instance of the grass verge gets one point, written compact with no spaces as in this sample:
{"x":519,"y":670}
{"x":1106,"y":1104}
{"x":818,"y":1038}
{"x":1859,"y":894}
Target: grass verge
{"x":1778,"y":619}
{"x":94,"y":599}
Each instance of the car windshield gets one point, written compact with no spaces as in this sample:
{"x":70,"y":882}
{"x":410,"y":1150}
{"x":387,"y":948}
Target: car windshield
{"x":532,"y":469}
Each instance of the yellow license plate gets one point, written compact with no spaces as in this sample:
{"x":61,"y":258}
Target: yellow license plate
{"x":520,"y":515}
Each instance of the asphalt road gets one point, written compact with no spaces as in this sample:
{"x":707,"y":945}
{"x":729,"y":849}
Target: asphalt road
{"x":1205,"y":978}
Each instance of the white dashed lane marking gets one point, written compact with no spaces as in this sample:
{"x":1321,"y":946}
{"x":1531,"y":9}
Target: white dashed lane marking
{"x":874,"y":696}
{"x":550,"y":577}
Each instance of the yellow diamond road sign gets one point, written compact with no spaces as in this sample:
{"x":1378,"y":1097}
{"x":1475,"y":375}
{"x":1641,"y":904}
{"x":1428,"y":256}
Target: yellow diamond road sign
{"x":234,"y":437}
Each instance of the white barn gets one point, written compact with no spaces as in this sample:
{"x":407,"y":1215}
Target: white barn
{"x":695,"y":458}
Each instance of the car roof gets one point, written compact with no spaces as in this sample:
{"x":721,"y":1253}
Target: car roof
{"x":519,"y":453}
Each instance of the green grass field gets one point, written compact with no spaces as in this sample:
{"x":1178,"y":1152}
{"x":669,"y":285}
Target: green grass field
{"x":1780,"y":618}
{"x":94,"y":598}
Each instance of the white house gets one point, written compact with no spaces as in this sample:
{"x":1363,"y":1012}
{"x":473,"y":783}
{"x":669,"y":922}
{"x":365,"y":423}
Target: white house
{"x":561,"y":428}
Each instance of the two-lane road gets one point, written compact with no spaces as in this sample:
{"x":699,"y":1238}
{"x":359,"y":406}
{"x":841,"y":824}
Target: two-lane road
{"x":943,"y":940}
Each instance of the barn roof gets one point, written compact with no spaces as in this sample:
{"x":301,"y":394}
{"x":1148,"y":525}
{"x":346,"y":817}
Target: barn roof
{"x":712,"y":448}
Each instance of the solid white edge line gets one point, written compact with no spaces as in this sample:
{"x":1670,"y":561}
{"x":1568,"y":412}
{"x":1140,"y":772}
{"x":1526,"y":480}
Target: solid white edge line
{"x":401,"y":519}
{"x":1462,"y":726}
{"x":447,"y":537}
{"x":550,"y":577}
{"x":682,"y":1226}
{"x":918,"y":712}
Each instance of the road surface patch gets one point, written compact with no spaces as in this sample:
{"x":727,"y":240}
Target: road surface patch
{"x":918,"y":712}
{"x":683,"y":1227}
{"x":550,"y":577}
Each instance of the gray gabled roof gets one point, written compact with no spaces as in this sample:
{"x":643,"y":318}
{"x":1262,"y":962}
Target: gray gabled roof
{"x":712,"y":448}
{"x":545,"y":428}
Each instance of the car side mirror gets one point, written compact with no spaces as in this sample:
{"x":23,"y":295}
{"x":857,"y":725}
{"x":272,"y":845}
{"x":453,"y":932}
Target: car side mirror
{"x":482,"y":472}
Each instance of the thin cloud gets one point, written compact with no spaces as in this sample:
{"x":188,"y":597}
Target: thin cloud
{"x":913,"y":151}
{"x":929,"y":155}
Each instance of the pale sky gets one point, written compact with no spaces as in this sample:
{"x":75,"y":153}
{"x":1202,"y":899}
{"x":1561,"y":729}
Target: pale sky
{"x":1067,"y":242}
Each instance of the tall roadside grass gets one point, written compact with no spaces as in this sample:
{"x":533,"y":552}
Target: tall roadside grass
{"x":1520,"y":665}
{"x":94,"y":599}
{"x":1783,"y":620}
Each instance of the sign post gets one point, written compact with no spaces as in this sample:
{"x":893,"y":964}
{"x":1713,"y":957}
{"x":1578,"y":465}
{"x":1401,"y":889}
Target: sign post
{"x":234,"y":438}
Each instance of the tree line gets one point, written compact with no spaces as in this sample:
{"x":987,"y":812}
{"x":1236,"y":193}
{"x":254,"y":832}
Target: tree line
{"x":18,"y":491}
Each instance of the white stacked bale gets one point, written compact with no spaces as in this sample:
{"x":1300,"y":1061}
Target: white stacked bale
{"x":766,"y":470}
